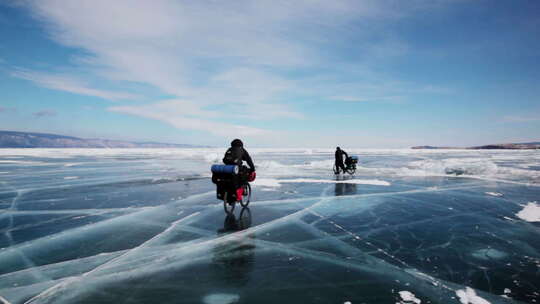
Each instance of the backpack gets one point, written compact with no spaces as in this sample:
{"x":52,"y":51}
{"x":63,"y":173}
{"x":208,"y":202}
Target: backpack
{"x":233,"y":156}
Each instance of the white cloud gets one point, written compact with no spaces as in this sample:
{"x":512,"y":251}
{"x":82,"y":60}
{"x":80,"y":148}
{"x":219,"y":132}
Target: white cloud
{"x":44,"y":113}
{"x":68,"y":84}
{"x":350,"y":98}
{"x":215,"y":57}
{"x":521,"y":118}
{"x":367,"y":99}
{"x":163,"y":42}
{"x":4,"y":109}
{"x":186,"y":115}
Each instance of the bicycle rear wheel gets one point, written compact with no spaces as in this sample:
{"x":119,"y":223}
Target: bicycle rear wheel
{"x":351,"y":169}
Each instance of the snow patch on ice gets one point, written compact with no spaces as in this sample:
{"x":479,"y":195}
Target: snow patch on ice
{"x":457,"y":166}
{"x":478,"y":167}
{"x":494,"y":193}
{"x":530,"y":213}
{"x":468,"y":296}
{"x":221,"y":298}
{"x":24,"y":162}
{"x":375,"y":182}
{"x":266,"y":182}
{"x":270,"y":182}
{"x":212,"y":157}
{"x":408,"y":297}
{"x":489,"y":254}
{"x":320,"y":164}
{"x":503,"y":166}
{"x":274,"y":168}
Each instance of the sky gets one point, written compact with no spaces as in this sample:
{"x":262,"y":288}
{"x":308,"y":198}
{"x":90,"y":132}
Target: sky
{"x":359,"y":73}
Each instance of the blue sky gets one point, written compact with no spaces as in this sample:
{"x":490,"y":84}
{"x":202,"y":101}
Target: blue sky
{"x":276,"y":73}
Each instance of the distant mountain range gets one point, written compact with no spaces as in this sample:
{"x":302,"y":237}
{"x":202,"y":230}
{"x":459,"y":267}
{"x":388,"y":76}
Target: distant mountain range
{"x":12,"y":139}
{"x":515,"y":146}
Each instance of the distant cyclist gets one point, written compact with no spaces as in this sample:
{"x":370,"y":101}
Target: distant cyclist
{"x":339,"y":160}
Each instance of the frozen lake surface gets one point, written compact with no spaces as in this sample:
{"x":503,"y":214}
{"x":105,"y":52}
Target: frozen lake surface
{"x":144,"y":226}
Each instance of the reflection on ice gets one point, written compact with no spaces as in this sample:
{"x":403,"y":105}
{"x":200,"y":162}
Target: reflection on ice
{"x":220,"y":298}
{"x":343,"y":187}
{"x":143,"y":226}
{"x":233,"y":224}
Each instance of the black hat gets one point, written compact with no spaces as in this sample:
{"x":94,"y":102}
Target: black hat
{"x":237,"y":143}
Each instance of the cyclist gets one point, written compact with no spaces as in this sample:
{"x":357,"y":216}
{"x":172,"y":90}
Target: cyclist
{"x":236,"y":155}
{"x":339,"y":160}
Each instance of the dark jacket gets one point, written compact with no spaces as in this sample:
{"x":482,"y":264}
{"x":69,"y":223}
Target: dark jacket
{"x":236,"y":154}
{"x":339,"y":155}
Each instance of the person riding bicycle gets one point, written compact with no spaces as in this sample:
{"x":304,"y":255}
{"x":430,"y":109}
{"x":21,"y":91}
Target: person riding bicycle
{"x":236,"y":155}
{"x":339,"y":159}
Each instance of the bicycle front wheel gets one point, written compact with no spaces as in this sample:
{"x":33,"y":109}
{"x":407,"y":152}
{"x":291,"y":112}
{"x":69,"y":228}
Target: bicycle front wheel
{"x":246,"y":196}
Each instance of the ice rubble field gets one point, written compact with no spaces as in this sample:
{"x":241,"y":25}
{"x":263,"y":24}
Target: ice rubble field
{"x":144,"y":226}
